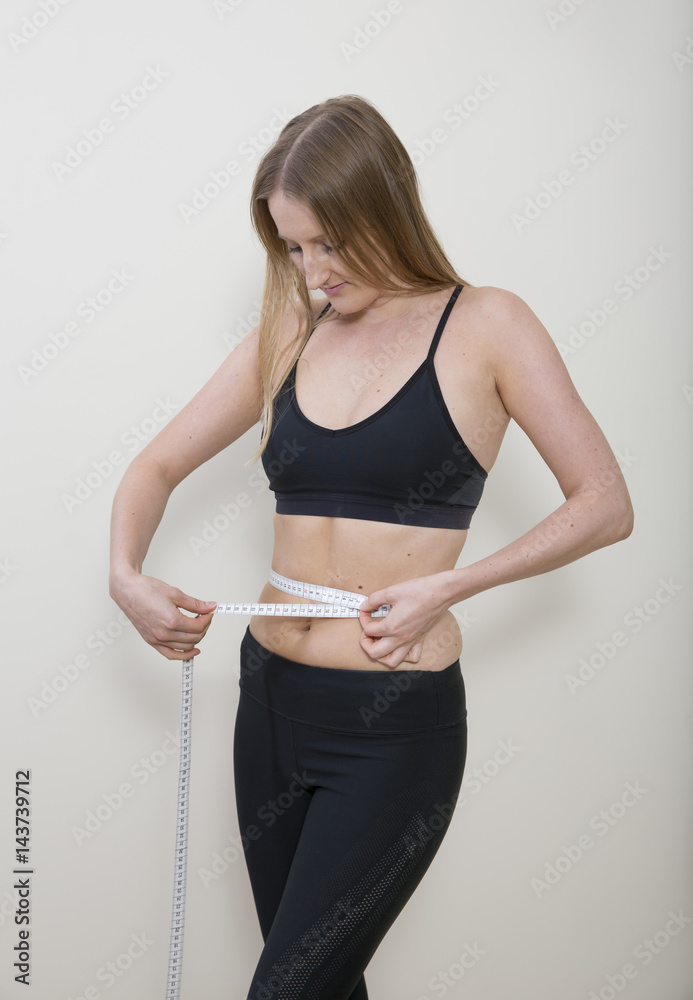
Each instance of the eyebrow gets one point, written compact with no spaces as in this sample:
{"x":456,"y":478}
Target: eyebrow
{"x":315,"y":239}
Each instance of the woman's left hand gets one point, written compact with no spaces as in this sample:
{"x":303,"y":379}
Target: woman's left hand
{"x":415,"y":606}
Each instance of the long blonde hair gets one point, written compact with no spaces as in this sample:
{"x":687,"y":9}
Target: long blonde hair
{"x":345,"y":164}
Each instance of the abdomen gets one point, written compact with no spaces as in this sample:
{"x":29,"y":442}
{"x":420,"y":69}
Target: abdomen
{"x":360,"y":556}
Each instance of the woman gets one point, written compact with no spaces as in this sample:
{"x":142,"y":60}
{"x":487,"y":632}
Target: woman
{"x":350,"y":736}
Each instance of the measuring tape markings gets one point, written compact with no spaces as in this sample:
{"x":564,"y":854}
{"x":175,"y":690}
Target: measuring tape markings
{"x":340,"y":604}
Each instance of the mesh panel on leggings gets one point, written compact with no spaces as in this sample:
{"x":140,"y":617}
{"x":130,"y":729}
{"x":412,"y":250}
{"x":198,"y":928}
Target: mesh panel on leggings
{"x":358,"y":901}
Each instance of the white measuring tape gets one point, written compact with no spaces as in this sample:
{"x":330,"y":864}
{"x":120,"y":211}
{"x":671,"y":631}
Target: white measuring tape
{"x":338,"y":604}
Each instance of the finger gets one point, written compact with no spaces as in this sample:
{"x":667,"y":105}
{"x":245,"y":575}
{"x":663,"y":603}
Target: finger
{"x":176,"y":639}
{"x":373,"y":601}
{"x":374,"y":626}
{"x":371,"y":644}
{"x":394,"y":658}
{"x":379,"y":649}
{"x":414,"y":654}
{"x":183,"y":641}
{"x":189,"y":629}
{"x":176,"y":654}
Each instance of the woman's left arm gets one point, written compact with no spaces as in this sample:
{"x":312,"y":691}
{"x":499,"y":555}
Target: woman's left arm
{"x":536,"y":390}
{"x":538,"y":393}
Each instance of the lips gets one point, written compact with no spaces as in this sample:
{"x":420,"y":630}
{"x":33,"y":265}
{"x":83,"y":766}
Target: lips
{"x":335,"y":288}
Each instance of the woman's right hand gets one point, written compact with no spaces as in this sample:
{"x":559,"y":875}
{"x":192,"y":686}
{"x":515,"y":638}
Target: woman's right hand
{"x":153,"y":608}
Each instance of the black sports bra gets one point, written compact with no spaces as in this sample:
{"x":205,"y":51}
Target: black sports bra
{"x":405,"y":464}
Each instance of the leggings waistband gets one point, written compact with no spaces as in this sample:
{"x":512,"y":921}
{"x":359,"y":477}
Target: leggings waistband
{"x":359,"y":701}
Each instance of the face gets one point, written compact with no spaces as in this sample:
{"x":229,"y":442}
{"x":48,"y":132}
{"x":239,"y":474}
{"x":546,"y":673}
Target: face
{"x":319,"y":261}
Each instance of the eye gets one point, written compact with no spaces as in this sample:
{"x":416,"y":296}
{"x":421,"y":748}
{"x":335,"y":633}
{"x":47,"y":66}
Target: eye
{"x":328,"y":248}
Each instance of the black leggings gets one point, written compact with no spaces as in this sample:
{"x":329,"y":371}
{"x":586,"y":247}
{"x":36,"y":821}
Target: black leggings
{"x":346,"y":782}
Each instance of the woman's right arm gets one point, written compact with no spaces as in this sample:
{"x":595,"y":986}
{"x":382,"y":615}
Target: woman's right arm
{"x":226,"y":407}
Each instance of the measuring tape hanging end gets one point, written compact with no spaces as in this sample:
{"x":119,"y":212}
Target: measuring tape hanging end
{"x":181,"y":849}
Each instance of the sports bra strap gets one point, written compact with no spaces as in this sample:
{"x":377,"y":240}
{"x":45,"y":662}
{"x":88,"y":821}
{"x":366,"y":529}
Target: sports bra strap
{"x":443,"y":320}
{"x":312,"y":331}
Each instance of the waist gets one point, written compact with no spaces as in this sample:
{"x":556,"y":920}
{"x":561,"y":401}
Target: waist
{"x":334,"y":643}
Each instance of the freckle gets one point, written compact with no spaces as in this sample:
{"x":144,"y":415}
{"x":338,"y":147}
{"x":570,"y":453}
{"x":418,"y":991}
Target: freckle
{"x":360,"y":586}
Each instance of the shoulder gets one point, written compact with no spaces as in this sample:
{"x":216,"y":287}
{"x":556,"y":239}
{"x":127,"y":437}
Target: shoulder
{"x":491,"y":307}
{"x":521,"y":356}
{"x":506,"y":325}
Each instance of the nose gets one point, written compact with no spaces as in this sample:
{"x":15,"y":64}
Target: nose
{"x":316,"y":271}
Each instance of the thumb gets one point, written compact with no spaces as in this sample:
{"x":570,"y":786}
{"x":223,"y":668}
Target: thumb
{"x":370,"y":604}
{"x":373,"y":602}
{"x":188,"y":603}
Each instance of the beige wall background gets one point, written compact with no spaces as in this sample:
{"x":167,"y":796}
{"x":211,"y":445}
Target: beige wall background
{"x":553,"y":145}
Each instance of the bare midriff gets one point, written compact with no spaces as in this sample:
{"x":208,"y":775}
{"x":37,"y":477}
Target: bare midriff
{"x":363,"y":557}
